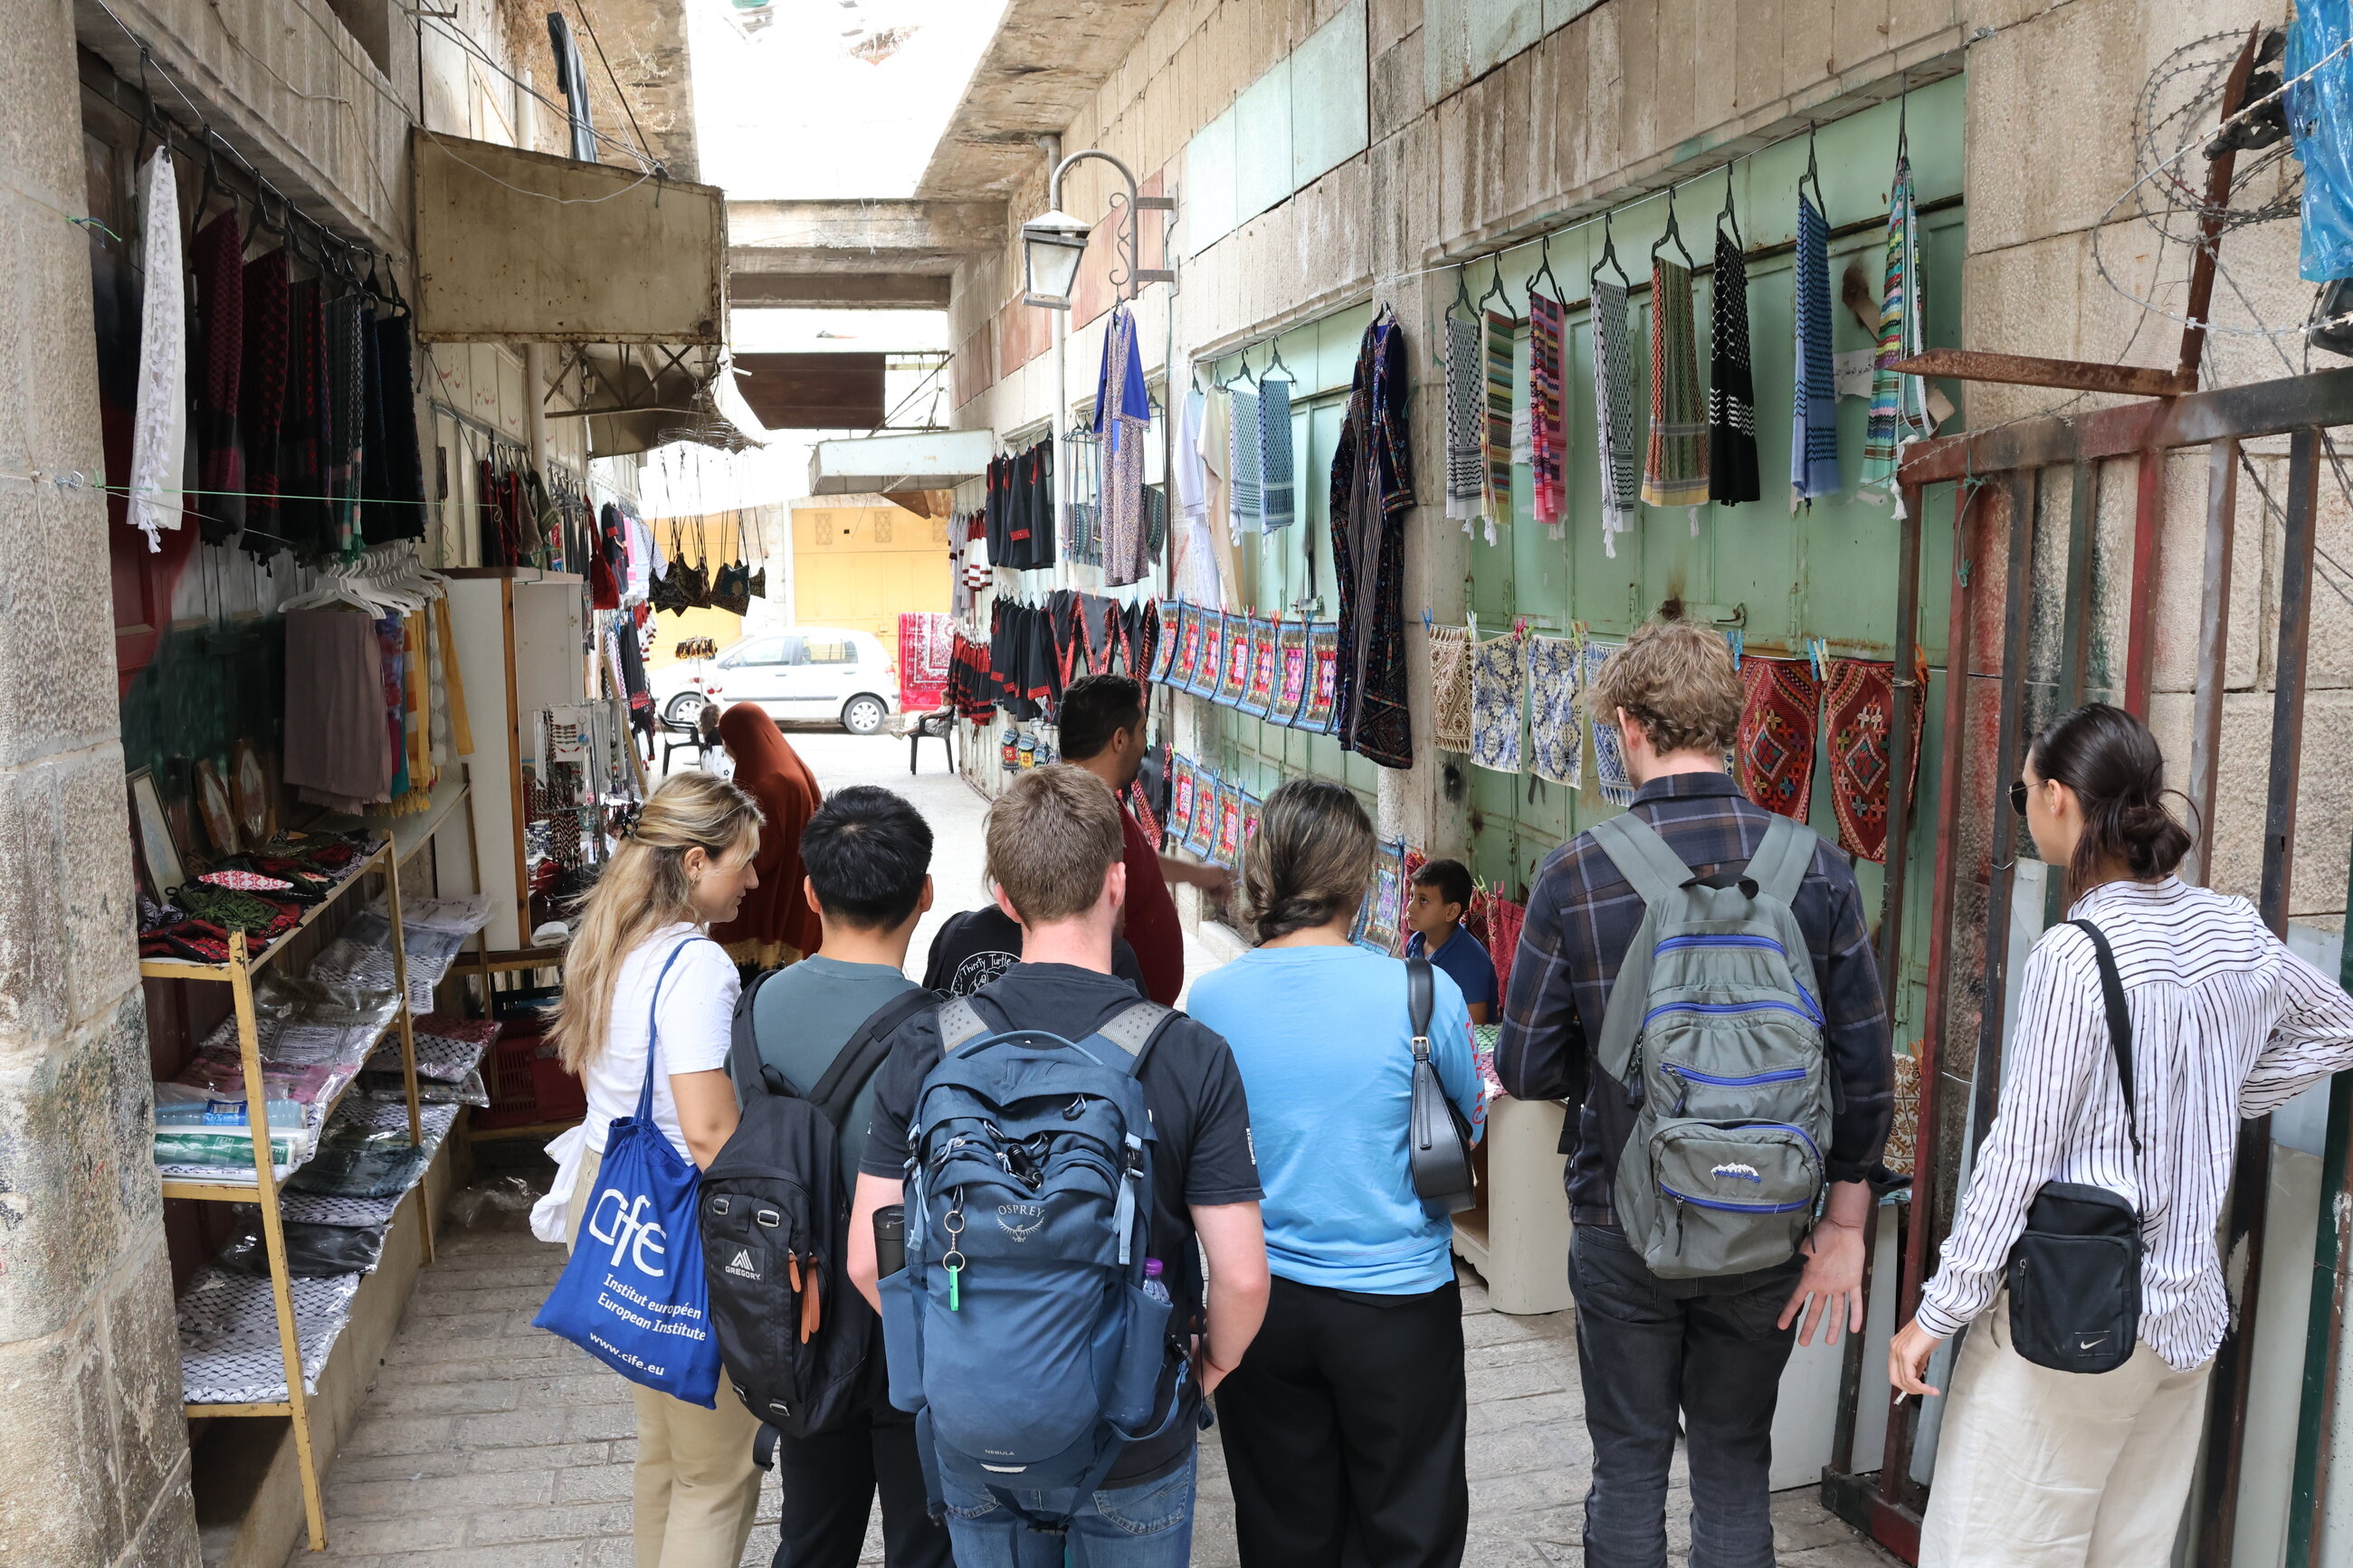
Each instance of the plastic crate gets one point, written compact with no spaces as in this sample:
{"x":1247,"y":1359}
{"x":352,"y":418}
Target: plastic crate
{"x":528,"y":1082}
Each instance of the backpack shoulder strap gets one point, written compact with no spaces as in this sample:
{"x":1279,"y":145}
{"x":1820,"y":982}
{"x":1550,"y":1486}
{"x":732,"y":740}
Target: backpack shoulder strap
{"x":863,"y":1052}
{"x":960,"y":1025}
{"x":744,"y":1062}
{"x":1134,"y":1029}
{"x":1641,"y":856}
{"x":2120,"y":1029}
{"x":1778,"y":867}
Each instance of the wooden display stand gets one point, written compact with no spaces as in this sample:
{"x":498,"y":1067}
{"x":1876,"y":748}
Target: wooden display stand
{"x":405,"y":838}
{"x":1517,"y":1235}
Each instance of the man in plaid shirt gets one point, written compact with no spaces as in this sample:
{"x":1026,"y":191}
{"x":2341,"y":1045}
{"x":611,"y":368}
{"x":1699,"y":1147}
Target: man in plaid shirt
{"x":1711,"y":1348}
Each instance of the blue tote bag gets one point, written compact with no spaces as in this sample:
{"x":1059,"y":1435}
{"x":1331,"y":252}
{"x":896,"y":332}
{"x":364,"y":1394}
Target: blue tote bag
{"x":633,"y":1295}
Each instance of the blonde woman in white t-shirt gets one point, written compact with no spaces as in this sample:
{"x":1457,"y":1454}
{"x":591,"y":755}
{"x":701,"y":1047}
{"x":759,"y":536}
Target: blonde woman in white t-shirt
{"x":685,"y":867}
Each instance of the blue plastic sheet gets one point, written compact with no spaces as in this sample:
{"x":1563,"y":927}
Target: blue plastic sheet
{"x":2320,"y":117}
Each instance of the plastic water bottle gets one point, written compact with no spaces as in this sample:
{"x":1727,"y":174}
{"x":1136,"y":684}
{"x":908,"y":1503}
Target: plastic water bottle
{"x":1153,"y":1269}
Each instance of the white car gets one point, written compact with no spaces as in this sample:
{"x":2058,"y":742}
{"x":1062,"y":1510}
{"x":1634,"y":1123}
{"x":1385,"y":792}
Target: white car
{"x":808,"y":672}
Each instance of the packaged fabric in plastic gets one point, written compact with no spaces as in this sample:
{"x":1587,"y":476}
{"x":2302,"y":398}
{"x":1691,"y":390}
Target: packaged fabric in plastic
{"x":393,"y":1085}
{"x":465,"y":915}
{"x":363,"y":1171}
{"x":312,"y":1251}
{"x":226,"y":1150}
{"x":2320,"y":117}
{"x":228,"y":1334}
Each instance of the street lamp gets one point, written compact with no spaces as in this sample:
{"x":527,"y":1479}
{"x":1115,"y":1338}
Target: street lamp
{"x":1051,"y":248}
{"x":1051,"y":245}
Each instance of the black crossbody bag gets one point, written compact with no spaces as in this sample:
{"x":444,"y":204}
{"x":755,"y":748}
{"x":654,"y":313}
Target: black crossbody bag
{"x":1438,"y":1140}
{"x":2074,"y":1275}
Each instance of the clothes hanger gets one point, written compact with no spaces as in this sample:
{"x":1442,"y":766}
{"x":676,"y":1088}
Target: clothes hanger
{"x":1495,"y":288}
{"x":1609,"y":254}
{"x":1814,"y":173}
{"x":1276,"y":363}
{"x":1728,"y":216}
{"x":1673,"y":234}
{"x":1544,"y":270}
{"x":1463,"y":292}
{"x":1244,"y":373}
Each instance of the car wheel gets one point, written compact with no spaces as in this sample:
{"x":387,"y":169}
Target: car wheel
{"x":863,"y":715}
{"x":683,"y":708}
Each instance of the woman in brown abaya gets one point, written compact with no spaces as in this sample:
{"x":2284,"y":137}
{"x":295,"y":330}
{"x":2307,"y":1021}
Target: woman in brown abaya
{"x":775,"y":925}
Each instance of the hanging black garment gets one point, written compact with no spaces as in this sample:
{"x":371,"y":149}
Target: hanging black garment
{"x":1372,"y":490}
{"x":1731,"y":394}
{"x":393,"y":504}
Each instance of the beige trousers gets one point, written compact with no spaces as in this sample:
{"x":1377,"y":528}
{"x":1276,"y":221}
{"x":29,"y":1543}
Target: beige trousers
{"x":696,"y":1487}
{"x":2037,"y":1469}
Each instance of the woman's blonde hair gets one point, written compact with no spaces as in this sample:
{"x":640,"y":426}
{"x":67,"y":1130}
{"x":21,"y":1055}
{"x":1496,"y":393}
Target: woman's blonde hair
{"x":642,"y":888}
{"x":1308,"y":861}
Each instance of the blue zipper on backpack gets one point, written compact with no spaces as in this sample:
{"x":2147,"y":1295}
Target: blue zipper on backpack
{"x":1808,"y":1012}
{"x":1728,"y":939}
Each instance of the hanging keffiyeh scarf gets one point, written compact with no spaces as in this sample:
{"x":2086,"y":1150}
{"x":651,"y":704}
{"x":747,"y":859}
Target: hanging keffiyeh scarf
{"x":1813,"y":433}
{"x":1732,"y":392}
{"x":1495,"y":492}
{"x":1450,"y":687}
{"x":1899,"y":408}
{"x":1609,"y":772}
{"x":159,"y":423}
{"x":1613,"y":409}
{"x":1276,"y":507}
{"x":1466,"y":462}
{"x":1676,"y":473}
{"x":1557,"y":741}
{"x":1498,"y":673}
{"x":1243,"y":484}
{"x":347,"y":377}
{"x":1547,"y":416}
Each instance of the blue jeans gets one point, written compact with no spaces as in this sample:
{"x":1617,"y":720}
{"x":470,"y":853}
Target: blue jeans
{"x":1145,"y":1526}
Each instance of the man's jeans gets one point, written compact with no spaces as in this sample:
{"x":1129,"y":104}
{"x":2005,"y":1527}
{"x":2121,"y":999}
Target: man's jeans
{"x":1644,"y":1352}
{"x":1145,"y":1526}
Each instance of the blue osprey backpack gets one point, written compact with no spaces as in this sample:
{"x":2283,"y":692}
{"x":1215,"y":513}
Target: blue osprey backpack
{"x":1019,"y":1332}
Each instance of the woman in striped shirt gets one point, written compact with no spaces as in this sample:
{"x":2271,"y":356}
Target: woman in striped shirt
{"x":2041,"y":1467}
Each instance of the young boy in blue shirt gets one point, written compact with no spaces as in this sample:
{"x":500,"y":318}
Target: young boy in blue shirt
{"x":1433,"y":912}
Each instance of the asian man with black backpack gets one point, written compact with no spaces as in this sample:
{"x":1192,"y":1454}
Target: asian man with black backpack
{"x":801,"y":1345}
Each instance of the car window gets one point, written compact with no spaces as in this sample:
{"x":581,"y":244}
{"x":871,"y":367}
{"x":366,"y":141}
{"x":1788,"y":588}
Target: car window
{"x":765,"y":650}
{"x":823,"y":649}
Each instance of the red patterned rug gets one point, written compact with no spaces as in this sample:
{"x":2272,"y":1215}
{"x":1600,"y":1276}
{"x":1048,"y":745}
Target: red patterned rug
{"x":1778,"y":723}
{"x":1858,"y":705}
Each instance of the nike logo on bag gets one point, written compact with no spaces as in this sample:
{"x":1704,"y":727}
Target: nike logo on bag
{"x":2091,"y":1344}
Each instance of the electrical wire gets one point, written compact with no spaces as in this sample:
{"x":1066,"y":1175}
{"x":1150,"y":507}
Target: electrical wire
{"x":582,"y":6}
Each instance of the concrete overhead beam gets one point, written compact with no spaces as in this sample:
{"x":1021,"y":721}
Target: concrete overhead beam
{"x":820,"y":291}
{"x":876,"y":229}
{"x":1044,"y":62}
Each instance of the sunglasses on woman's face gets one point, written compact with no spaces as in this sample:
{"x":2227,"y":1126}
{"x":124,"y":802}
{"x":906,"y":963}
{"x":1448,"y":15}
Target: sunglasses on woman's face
{"x":2018,"y":793}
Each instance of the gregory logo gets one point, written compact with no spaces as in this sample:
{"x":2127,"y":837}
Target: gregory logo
{"x":1737,"y":1171}
{"x":1020,"y":1221}
{"x":742,"y":1265}
{"x":625,"y":1224}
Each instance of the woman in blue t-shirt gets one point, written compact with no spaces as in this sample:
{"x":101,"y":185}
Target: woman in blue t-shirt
{"x":1345,"y":1422}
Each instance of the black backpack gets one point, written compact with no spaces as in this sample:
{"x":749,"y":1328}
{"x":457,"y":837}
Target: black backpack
{"x":793,"y":1335}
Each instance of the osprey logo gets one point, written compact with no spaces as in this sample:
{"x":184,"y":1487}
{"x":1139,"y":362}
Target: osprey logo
{"x":742,"y":1265}
{"x":1735,"y":1169}
{"x":1020,"y":1221}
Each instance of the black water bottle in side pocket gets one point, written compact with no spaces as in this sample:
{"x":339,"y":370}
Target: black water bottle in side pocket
{"x":1438,"y":1140}
{"x":2074,"y":1275}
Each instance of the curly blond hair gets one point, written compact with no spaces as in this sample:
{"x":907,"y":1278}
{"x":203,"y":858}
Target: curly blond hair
{"x":1678,"y":682}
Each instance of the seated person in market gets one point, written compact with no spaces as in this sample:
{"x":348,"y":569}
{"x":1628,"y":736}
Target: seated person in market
{"x":1433,"y":912}
{"x":868,"y":857}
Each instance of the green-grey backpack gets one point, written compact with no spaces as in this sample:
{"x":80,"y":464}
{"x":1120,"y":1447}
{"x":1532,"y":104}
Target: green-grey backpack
{"x":1714,"y":1028}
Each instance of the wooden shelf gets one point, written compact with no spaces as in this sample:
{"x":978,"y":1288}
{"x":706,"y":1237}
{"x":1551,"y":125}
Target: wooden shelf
{"x":201,"y":1191}
{"x":189,"y":969}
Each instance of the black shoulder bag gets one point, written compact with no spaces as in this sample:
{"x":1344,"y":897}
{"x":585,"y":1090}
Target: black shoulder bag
{"x":1438,"y":1142}
{"x":2074,"y":1275}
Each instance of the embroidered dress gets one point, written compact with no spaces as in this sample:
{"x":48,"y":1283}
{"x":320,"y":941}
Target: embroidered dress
{"x":1813,"y":425}
{"x":1243,"y":500}
{"x":1290,"y":655}
{"x":159,"y":421}
{"x":1547,"y":410}
{"x":1497,"y":673}
{"x":1465,"y":421}
{"x":1859,"y":708}
{"x":1613,"y":410}
{"x":1555,"y":739}
{"x":1372,"y":490}
{"x":1732,"y":389}
{"x":1495,"y":493}
{"x":219,"y":267}
{"x":1676,"y":473}
{"x":1450,"y":687}
{"x":1780,"y":718}
{"x":1277,"y":508}
{"x":1899,"y":402}
{"x":1609,"y":756}
{"x":1123,"y":423}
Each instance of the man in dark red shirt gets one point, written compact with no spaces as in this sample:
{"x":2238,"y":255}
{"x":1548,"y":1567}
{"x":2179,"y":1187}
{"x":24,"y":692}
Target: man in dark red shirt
{"x":1101,"y":724}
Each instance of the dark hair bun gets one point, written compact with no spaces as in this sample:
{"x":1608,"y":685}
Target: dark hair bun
{"x":2117,"y":771}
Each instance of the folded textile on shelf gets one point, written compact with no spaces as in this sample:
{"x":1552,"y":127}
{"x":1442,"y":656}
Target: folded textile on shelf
{"x":230,"y":1352}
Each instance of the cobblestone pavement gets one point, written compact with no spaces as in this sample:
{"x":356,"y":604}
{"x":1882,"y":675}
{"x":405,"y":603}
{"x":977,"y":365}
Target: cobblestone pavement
{"x":489,"y":1444}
